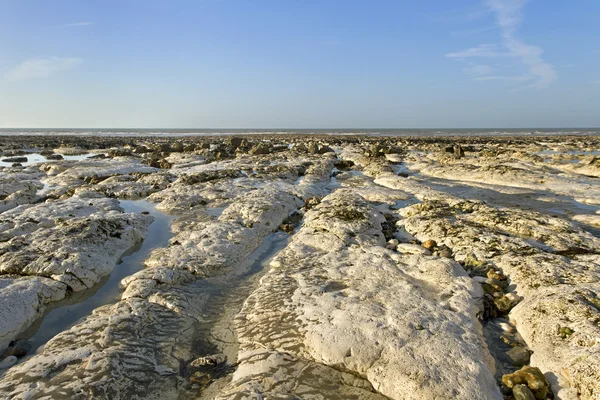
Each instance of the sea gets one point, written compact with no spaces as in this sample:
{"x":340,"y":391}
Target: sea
{"x":348,"y":132}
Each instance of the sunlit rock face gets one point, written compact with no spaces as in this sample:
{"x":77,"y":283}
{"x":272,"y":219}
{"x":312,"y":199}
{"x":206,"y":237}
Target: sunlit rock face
{"x":397,"y":255}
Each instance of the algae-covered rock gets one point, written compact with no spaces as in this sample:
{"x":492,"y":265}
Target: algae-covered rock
{"x":522,"y":392}
{"x":530,"y":376}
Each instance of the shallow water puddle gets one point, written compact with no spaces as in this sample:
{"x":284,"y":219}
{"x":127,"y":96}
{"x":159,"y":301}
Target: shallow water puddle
{"x":65,"y":313}
{"x":33,"y":158}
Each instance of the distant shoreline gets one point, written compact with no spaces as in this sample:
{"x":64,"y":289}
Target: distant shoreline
{"x":491,"y":132}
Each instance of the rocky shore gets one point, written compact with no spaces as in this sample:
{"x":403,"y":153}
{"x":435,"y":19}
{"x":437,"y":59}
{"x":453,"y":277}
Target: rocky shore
{"x":412,"y":268}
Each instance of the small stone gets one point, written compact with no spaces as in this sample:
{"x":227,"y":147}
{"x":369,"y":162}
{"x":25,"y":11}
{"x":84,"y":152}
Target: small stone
{"x":312,"y":202}
{"x":214,"y":359}
{"x":496,"y":283}
{"x":15,"y":160}
{"x":509,"y":341}
{"x":444,"y":251}
{"x":8,"y":362}
{"x":261,"y":148}
{"x":480,"y":279}
{"x":201,"y":378}
{"x":503,"y":304}
{"x":19,"y":348}
{"x":519,"y":356}
{"x":287,"y":228}
{"x":459,"y":152}
{"x":393,"y":242}
{"x":532,"y":377}
{"x":409,"y":248}
{"x":564,"y":332}
{"x":513,"y":297}
{"x":522,"y":392}
{"x":495,"y":275}
{"x":429,"y":244}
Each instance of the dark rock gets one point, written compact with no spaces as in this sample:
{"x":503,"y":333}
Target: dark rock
{"x":158,"y":163}
{"x":300,"y":147}
{"x":141,"y":150}
{"x":444,"y":251}
{"x":234,"y":142}
{"x":522,"y":392}
{"x":459,"y":151}
{"x":15,"y":160}
{"x":54,"y":157}
{"x":211,"y":360}
{"x":290,"y":223}
{"x":261,"y":148}
{"x":311,"y":202}
{"x":344,"y":165}
{"x":119,"y":152}
{"x":18,"y":348}
{"x":530,"y":376}
{"x":519,"y":355}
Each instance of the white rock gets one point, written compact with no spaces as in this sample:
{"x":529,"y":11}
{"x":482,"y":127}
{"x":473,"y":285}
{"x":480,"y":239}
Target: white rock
{"x":409,"y":248}
{"x":8,"y":362}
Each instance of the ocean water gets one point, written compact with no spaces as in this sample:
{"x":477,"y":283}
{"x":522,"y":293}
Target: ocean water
{"x":369,"y":132}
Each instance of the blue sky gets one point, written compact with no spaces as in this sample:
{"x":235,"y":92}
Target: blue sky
{"x":299,"y":63}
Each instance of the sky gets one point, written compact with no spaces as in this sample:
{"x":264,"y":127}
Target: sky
{"x":299,"y":63}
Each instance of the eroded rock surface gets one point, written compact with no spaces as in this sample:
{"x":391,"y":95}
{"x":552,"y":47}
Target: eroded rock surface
{"x":396,"y":252}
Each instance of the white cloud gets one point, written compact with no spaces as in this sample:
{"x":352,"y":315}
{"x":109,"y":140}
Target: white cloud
{"x":41,"y":67}
{"x":84,"y":23}
{"x":483,"y":50}
{"x":478,"y":70}
{"x":509,"y":14}
{"x":523,"y":78}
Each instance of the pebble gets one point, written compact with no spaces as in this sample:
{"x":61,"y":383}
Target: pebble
{"x":519,"y":356}
{"x":495,"y":275}
{"x":513,"y":297}
{"x":444,"y":251}
{"x":532,"y":377}
{"x":429,"y":244}
{"x":503,"y":303}
{"x":8,"y":362}
{"x":522,"y":392}
{"x":214,"y":359}
{"x":19,"y":348}
{"x":412,"y":249}
{"x":480,"y":279}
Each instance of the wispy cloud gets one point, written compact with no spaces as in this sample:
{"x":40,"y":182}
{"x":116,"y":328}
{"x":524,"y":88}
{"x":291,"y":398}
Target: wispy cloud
{"x":509,"y":15}
{"x":84,"y":23}
{"x":483,"y":50}
{"x":41,"y":67}
{"x":596,"y":82}
{"x":478,"y":70}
